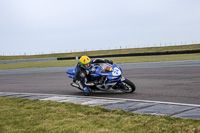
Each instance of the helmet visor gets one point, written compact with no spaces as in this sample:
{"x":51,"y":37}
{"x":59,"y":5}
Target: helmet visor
{"x":87,"y":65}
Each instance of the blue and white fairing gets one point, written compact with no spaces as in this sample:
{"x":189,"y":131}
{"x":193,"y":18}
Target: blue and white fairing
{"x":112,"y":72}
{"x":116,"y":74}
{"x":113,"y":75}
{"x":71,"y":72}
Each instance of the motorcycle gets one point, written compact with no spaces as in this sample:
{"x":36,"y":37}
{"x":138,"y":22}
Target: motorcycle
{"x":104,"y":77}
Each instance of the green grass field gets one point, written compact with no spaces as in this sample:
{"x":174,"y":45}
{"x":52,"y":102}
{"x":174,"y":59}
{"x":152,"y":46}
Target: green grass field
{"x":107,"y":52}
{"x":117,"y":60}
{"x":22,"y":116}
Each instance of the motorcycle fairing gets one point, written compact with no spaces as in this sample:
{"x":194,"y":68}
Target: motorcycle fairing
{"x":96,"y":73}
{"x":71,"y":72}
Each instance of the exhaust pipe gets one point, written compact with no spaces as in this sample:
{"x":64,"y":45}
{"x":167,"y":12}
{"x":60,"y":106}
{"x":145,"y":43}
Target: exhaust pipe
{"x":89,"y":84}
{"x":77,"y":85}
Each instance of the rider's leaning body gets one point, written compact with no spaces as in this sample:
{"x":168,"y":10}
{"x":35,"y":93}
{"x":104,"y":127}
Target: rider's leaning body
{"x":83,"y":68}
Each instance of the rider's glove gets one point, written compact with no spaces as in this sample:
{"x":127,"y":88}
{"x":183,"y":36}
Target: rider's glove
{"x":109,"y":61}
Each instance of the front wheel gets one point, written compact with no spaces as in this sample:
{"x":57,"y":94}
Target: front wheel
{"x":128,"y":86}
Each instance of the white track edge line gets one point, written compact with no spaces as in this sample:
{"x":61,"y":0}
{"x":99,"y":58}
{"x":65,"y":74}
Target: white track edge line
{"x":135,"y":100}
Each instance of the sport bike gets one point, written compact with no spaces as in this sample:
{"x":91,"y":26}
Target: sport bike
{"x":104,"y":77}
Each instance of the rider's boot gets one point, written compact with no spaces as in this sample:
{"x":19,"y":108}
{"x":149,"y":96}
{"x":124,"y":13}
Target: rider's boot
{"x":86,"y":91}
{"x":83,"y":87}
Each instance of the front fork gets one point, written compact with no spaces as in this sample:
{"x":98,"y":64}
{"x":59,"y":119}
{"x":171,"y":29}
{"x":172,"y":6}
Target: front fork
{"x":120,"y":82}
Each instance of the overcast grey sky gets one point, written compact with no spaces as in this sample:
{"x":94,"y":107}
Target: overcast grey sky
{"x":35,"y":26}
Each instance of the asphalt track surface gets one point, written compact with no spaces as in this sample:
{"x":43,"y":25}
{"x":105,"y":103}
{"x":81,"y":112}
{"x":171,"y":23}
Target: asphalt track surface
{"x":171,"y":81}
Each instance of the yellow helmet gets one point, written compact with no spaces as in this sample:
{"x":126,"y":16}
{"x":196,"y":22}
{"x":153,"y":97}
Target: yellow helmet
{"x":85,"y":62}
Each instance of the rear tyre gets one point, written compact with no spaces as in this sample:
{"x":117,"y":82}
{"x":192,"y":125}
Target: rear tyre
{"x":129,"y":86}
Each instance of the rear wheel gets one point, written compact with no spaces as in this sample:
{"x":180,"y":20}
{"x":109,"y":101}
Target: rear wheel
{"x":129,"y":86}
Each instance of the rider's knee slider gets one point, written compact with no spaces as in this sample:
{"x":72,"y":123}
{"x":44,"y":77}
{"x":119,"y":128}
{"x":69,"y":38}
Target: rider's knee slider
{"x":82,"y":75}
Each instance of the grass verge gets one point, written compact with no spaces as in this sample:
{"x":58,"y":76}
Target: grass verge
{"x":23,"y":115}
{"x":117,"y":60}
{"x":107,"y":52}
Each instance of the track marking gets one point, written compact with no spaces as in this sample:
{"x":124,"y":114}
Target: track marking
{"x":108,"y":98}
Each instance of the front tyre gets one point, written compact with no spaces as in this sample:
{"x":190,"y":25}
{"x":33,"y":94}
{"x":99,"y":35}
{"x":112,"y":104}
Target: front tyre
{"x":128,"y":86}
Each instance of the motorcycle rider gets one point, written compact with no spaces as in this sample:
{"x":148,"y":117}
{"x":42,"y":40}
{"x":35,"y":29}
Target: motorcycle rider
{"x":83,"y":70}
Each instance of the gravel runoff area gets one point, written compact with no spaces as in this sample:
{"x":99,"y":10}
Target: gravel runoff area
{"x":188,"y":111}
